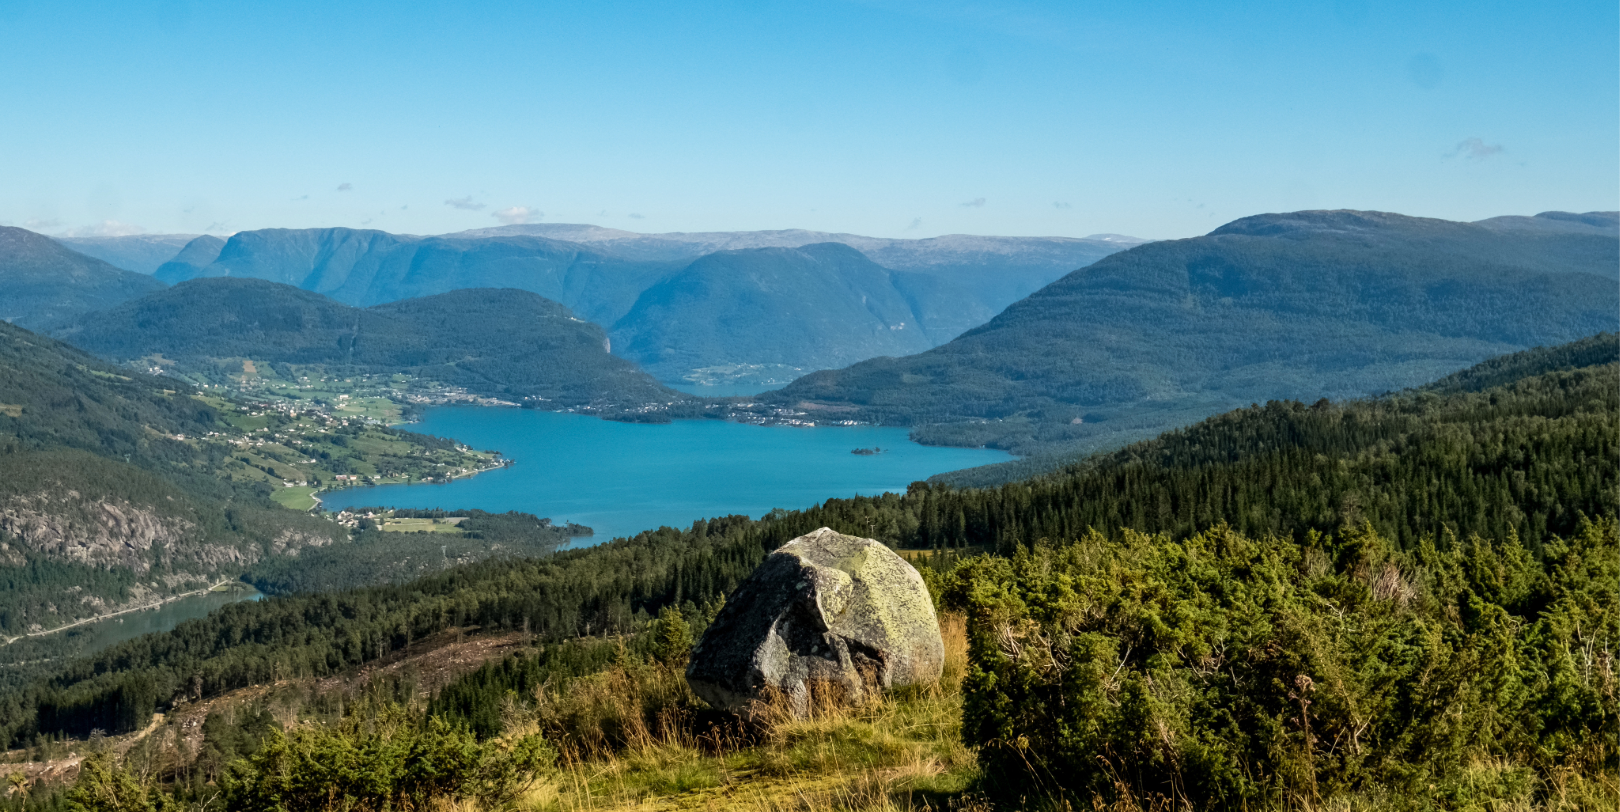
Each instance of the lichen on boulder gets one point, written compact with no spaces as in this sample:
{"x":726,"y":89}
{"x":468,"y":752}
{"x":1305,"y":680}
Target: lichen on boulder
{"x":825,"y":614}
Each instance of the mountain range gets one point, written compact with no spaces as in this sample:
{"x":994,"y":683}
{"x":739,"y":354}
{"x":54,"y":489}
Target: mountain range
{"x":997,"y":271}
{"x":506,"y":343}
{"x":141,"y":253}
{"x":934,"y":288}
{"x":1335,"y":304}
{"x":103,"y":500}
{"x":42,"y":282}
{"x":1309,"y":304}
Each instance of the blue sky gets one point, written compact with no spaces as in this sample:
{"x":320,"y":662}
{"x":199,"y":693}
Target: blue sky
{"x":1155,"y":119}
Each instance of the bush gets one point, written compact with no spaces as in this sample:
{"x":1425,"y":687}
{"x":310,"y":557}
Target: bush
{"x":103,"y":786}
{"x":1224,"y":672}
{"x":386,"y":763}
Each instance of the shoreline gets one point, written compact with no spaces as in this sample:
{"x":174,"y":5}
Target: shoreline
{"x":109,"y":615}
{"x":319,"y":503}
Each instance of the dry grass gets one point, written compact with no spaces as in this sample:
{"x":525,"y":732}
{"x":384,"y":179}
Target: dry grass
{"x":652,"y":749}
{"x":648,"y":748}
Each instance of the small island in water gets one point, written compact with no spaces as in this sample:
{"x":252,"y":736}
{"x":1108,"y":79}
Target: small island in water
{"x":867,"y":452}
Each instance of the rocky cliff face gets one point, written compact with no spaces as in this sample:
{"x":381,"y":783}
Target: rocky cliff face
{"x":167,"y":547}
{"x":104,"y":534}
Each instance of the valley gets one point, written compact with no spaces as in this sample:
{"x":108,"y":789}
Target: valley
{"x":898,"y":296}
{"x":1302,"y":306}
{"x":558,"y":526}
{"x":1406,"y":510}
{"x":624,"y":478}
{"x":810,"y":407}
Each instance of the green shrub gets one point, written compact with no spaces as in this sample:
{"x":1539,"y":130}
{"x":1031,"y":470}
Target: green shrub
{"x":104,"y":786}
{"x":384,"y":763}
{"x":1223,"y":671}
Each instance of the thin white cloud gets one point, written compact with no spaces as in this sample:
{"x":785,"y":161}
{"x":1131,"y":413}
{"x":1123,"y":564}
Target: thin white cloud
{"x":37,"y":224}
{"x":1475,"y":149}
{"x":464,"y":203}
{"x":975,"y":203}
{"x":516,"y":215}
{"x":635,"y":216}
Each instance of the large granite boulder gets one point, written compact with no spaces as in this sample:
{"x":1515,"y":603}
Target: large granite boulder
{"x":826,"y":614}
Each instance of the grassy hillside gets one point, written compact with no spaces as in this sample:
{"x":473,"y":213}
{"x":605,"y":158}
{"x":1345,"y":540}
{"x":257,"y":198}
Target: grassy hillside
{"x":1304,"y":306}
{"x":42,"y":282}
{"x":505,"y":343}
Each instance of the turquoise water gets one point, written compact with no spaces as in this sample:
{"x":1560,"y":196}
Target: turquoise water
{"x":103,"y":633}
{"x":622,"y":478}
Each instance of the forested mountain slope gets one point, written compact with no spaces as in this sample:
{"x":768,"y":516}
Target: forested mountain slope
{"x":189,"y":261}
{"x":793,"y":308}
{"x":1603,"y":348}
{"x":1304,"y":305}
{"x":41,"y":282}
{"x":107,"y":499}
{"x":948,"y":284}
{"x":300,"y":257}
{"x":1603,"y":223}
{"x":506,"y":343}
{"x":1530,"y":458}
{"x":141,"y":253}
{"x":364,"y":268}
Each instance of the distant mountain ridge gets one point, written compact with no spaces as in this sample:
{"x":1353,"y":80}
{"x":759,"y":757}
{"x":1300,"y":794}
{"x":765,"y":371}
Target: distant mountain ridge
{"x":994,"y":271}
{"x":691,"y":244}
{"x":949,"y":284}
{"x":141,"y":253}
{"x":1301,"y":305}
{"x":501,"y":343}
{"x":1602,"y":223}
{"x":804,"y":308}
{"x":43,"y":282}
{"x":187,"y":264}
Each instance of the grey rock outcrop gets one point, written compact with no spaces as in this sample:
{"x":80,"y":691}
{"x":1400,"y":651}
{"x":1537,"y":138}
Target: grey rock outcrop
{"x":825,"y":613}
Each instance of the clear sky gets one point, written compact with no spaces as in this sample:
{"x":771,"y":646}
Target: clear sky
{"x":1156,"y":119}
